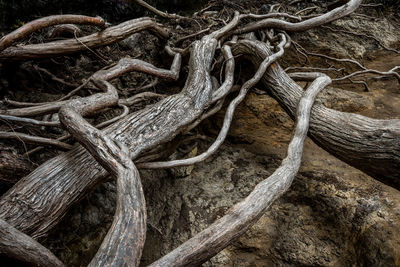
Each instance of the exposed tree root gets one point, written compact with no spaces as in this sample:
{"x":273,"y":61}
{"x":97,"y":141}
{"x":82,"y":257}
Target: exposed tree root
{"x":140,"y":131}
{"x":371,"y":145}
{"x":242,"y":215}
{"x":34,"y":139}
{"x":158,"y":12}
{"x":334,"y":14}
{"x":63,"y":47}
{"x":22,"y":247}
{"x":41,"y":23}
{"x":228,"y":116}
{"x":36,"y":203}
{"x":130,"y":215}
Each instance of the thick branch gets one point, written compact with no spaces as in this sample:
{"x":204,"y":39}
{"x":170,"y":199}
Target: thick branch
{"x":108,"y":36}
{"x":370,"y":145}
{"x":75,"y":173}
{"x":41,"y":23}
{"x":228,"y":116}
{"x":241,"y":216}
{"x":124,"y":241}
{"x":18,"y":245}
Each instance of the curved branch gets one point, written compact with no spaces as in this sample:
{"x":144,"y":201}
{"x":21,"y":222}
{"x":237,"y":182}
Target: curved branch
{"x":370,"y":145}
{"x":241,"y":216}
{"x":18,"y":245}
{"x":63,"y":47}
{"x":277,"y":24}
{"x":124,"y":241}
{"x":74,"y":173}
{"x":228,"y":115}
{"x":226,"y":86}
{"x":158,"y":12}
{"x":41,"y":23}
{"x":124,"y":65}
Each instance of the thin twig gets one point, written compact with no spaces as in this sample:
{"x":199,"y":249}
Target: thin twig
{"x":228,"y":116}
{"x":34,"y":139}
{"x":53,"y":77}
{"x":30,"y":121}
{"x":158,"y":12}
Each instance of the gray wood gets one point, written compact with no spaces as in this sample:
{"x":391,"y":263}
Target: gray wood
{"x":370,"y":145}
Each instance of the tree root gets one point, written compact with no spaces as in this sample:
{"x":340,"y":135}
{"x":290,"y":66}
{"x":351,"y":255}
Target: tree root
{"x":41,"y":23}
{"x":241,"y":216}
{"x":130,"y":215}
{"x":158,"y":12}
{"x":303,"y":25}
{"x":228,"y":116}
{"x":22,"y":247}
{"x":140,"y":131}
{"x":37,"y":140}
{"x":64,"y":47}
{"x":36,"y":203}
{"x":370,"y":145}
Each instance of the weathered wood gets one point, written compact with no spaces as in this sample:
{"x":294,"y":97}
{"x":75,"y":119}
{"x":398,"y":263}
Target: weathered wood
{"x":370,"y":145}
{"x":229,"y":112}
{"x":124,"y":65}
{"x":12,"y":166}
{"x":63,"y":47}
{"x":18,"y":245}
{"x":48,"y":192}
{"x":41,"y":23}
{"x":272,"y":23}
{"x":241,"y":216}
{"x":124,"y":241}
{"x":37,"y":140}
{"x":38,"y":202}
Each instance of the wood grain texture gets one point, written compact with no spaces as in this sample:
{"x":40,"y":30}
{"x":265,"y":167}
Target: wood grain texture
{"x":241,"y":216}
{"x":46,"y":194}
{"x":371,"y":145}
{"x":123,"y":244}
{"x":18,"y":245}
{"x":64,"y":47}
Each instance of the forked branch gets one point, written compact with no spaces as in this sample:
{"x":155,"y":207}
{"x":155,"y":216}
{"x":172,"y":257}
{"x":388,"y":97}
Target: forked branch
{"x":241,"y":216}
